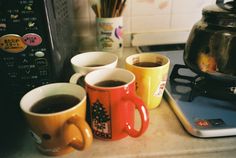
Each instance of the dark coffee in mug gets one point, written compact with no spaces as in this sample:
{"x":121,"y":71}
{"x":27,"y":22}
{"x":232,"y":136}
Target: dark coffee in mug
{"x":110,"y":83}
{"x":147,"y":64}
{"x":94,"y":65}
{"x":55,"y":103}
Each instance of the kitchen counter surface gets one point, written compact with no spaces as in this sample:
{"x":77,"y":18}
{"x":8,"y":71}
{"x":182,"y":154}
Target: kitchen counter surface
{"x":165,"y":138}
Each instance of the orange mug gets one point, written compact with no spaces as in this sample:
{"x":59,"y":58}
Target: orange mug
{"x":112,"y":103}
{"x":56,"y":115}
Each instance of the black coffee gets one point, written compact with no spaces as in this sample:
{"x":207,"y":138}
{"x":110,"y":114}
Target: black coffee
{"x":94,"y":65}
{"x":110,"y":83}
{"x":147,"y":64}
{"x":54,"y":104}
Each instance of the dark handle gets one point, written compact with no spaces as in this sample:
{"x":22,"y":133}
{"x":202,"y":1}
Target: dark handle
{"x":220,"y":2}
{"x":229,"y":6}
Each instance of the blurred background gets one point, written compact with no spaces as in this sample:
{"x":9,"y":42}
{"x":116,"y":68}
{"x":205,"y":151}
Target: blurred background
{"x":146,"y":22}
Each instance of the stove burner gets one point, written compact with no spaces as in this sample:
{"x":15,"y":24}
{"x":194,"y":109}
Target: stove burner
{"x":201,"y":86}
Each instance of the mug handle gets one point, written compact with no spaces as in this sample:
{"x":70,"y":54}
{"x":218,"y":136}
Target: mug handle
{"x":144,"y":115}
{"x":75,"y":77}
{"x":84,"y":129}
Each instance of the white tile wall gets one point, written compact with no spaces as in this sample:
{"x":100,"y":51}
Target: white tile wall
{"x":188,"y":6}
{"x":142,"y":18}
{"x":142,"y":24}
{"x":150,"y":7}
{"x":186,"y":13}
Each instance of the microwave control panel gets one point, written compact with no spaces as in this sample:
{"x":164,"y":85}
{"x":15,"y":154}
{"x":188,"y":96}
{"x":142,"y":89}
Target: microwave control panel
{"x":25,"y":44}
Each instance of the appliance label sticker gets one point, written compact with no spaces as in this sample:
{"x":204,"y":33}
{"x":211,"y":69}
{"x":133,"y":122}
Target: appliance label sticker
{"x":160,"y":89}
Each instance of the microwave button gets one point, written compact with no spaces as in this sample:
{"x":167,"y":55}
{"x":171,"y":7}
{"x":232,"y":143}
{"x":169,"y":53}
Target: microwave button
{"x":12,"y":43}
{"x":14,"y":16}
{"x":28,"y":7}
{"x":43,"y":73}
{"x":41,"y":62}
{"x":3,"y":26}
{"x":31,"y":24}
{"x":25,"y":61}
{"x":39,"y":54}
{"x":32,"y":39}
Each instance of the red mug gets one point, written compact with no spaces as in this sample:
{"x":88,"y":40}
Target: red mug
{"x":112,"y":102}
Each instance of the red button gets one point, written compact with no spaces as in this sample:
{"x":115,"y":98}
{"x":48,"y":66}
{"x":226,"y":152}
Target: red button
{"x":202,"y":123}
{"x":32,"y":39}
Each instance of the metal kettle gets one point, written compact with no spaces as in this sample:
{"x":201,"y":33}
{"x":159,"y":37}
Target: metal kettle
{"x":211,"y":46}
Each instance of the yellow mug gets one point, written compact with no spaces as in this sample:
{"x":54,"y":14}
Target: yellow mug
{"x":56,"y":115}
{"x":151,"y":72}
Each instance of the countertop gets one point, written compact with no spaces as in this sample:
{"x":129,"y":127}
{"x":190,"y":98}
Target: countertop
{"x":165,"y":137}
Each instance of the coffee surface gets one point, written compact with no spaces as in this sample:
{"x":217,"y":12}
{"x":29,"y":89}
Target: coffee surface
{"x":147,"y":64}
{"x":94,"y":65}
{"x":110,"y":83}
{"x":53,"y":104}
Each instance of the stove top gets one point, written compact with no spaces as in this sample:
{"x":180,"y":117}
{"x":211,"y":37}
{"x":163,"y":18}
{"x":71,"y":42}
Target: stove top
{"x":200,"y":85}
{"x":201,"y":115}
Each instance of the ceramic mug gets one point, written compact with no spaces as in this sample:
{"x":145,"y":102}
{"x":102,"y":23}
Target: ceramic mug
{"x":89,"y":61}
{"x":110,"y":35}
{"x":151,"y":72}
{"x":56,"y":116}
{"x":112,"y":103}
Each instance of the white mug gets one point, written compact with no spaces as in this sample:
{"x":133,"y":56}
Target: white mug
{"x":89,"y":61}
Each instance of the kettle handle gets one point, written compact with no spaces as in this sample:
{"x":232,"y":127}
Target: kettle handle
{"x":220,"y":2}
{"x":229,"y":6}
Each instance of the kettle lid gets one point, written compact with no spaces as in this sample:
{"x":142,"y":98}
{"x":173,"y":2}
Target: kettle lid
{"x":221,"y":9}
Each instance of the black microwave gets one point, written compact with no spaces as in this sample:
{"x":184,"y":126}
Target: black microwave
{"x":35,"y":43}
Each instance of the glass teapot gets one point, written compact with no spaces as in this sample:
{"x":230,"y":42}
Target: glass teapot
{"x":211,"y":47}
